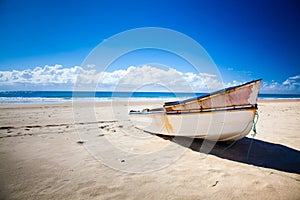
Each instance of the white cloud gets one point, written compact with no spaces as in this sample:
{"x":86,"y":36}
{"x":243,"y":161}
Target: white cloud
{"x":48,"y":74}
{"x":292,"y":81}
{"x":58,"y":78}
{"x":169,"y":78}
{"x":290,"y":85}
{"x":136,"y":78}
{"x":91,"y":66}
{"x":48,"y":77}
{"x":133,"y":78}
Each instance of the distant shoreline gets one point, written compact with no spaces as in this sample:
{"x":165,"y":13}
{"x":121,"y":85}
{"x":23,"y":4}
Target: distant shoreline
{"x":44,"y":101}
{"x":278,"y":100}
{"x":42,"y":97}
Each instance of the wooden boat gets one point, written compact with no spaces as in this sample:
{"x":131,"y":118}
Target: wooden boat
{"x":223,"y":115}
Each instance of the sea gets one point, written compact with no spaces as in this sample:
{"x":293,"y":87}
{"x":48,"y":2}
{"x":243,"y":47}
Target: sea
{"x":27,"y":97}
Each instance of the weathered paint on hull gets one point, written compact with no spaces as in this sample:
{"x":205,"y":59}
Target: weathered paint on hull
{"x":231,"y":97}
{"x":217,"y":125}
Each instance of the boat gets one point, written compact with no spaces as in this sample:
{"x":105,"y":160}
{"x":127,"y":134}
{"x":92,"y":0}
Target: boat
{"x":223,"y":115}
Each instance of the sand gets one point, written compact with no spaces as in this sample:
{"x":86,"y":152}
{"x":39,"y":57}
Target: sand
{"x":48,"y":152}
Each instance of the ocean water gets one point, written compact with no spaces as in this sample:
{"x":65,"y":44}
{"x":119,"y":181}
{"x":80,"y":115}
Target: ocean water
{"x":13,"y":97}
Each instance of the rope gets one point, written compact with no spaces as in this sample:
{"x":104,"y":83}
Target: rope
{"x":255,"y":120}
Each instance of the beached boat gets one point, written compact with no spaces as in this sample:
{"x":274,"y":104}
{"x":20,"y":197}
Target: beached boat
{"x":223,"y":115}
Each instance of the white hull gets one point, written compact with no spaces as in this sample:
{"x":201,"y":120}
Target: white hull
{"x":215,"y":125}
{"x":223,"y":115}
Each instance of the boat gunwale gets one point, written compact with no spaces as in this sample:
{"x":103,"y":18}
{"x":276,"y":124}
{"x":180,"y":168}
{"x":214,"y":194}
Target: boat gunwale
{"x":198,"y":111}
{"x":231,"y":108}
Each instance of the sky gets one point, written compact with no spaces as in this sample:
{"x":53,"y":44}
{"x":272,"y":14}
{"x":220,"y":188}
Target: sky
{"x":44,"y":43}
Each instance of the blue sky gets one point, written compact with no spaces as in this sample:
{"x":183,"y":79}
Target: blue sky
{"x":246,"y":39}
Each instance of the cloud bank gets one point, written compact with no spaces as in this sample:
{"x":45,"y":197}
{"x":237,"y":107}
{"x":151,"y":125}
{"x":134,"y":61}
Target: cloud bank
{"x":133,"y":78}
{"x":290,"y":85}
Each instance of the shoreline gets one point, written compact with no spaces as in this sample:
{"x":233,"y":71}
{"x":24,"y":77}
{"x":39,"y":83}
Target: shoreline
{"x":278,"y":100}
{"x":130,"y":104}
{"x":132,"y":100}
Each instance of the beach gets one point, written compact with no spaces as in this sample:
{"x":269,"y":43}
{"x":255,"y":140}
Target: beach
{"x":56,"y":151}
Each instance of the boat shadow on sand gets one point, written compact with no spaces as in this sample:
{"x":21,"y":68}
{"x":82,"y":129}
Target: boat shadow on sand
{"x":249,"y":151}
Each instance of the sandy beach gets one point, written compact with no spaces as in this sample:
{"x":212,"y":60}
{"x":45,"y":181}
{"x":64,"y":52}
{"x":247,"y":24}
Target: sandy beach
{"x":53,"y":151}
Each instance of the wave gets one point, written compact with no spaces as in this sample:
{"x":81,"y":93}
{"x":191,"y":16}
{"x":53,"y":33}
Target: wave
{"x":27,"y":97}
{"x":22,"y":100}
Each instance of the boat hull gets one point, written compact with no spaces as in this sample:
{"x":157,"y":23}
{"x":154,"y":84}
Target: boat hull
{"x":218,"y":125}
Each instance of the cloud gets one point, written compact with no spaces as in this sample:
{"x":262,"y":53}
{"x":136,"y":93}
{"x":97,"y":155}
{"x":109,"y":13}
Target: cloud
{"x":48,"y":74}
{"x":48,"y":77}
{"x":138,"y":78}
{"x":290,"y":85}
{"x":293,"y":81}
{"x":133,"y":78}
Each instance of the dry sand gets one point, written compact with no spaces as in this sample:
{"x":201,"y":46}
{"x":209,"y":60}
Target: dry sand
{"x":46,"y":153}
